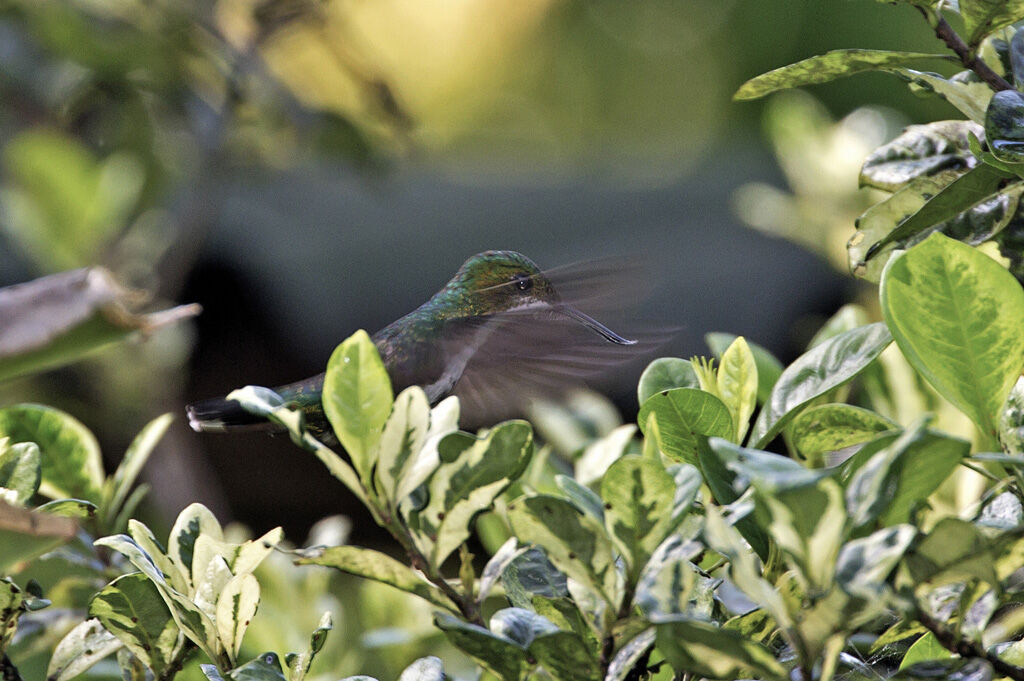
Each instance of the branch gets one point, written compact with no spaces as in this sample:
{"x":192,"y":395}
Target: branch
{"x":968,"y":649}
{"x":970,"y":60}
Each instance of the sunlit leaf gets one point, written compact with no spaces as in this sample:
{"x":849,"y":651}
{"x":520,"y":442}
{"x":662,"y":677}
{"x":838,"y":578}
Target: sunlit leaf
{"x":72,"y":465}
{"x":829,"y":427}
{"x":379,"y":567}
{"x":737,"y":384}
{"x":497,"y":653}
{"x":1011,"y":420}
{"x":705,"y":649}
{"x":117,"y":486}
{"x":984,"y":17}
{"x":132,"y":609}
{"x":956,"y":314}
{"x":665,"y":373}
{"x":768,"y":367}
{"x":682,"y":415}
{"x":20,"y":470}
{"x":299,"y":663}
{"x":423,"y":669}
{"x":357,"y":399}
{"x":864,"y":564}
{"x":816,"y":372}
{"x":925,"y":649}
{"x":80,"y":649}
{"x":236,"y":606}
{"x":565,"y":656}
{"x":920,"y":150}
{"x":827,"y":67}
{"x":404,"y":435}
{"x":638,"y":495}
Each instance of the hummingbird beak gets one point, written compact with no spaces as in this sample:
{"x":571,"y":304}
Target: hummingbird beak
{"x":594,"y":325}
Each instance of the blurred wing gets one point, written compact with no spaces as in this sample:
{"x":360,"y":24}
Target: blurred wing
{"x":520,"y":356}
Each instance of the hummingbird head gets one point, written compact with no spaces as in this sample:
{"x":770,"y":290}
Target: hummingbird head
{"x":506,"y":281}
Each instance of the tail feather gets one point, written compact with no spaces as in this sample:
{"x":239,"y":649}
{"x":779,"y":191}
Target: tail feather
{"x":218,"y":415}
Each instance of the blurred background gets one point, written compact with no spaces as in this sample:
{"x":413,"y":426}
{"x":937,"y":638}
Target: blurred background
{"x":306,"y":168}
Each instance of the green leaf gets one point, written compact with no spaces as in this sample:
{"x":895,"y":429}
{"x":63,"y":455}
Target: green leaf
{"x":737,"y":384}
{"x":69,"y":508}
{"x":424,"y":669}
{"x":1011,"y":420}
{"x":925,"y":649}
{"x":830,"y":427}
{"x":892,"y":475}
{"x":55,"y":320}
{"x":565,"y":656}
{"x":177,"y":575}
{"x":971,"y":97}
{"x":404,"y":435}
{"x":671,"y":584}
{"x":819,"y":370}
{"x":808,"y":523}
{"x":472,"y":473}
{"x":583,"y":498}
{"x":920,"y":150}
{"x":1003,"y":122}
{"x":236,"y":606}
{"x":827,"y":67}
{"x":496,"y":566}
{"x":192,"y":621}
{"x":956,"y":314}
{"x":20,"y":470}
{"x":117,"y":487}
{"x":72,"y":465}
{"x":132,"y":609}
{"x":681,"y":416}
{"x":299,"y":663}
{"x":80,"y":649}
{"x":984,"y":17}
{"x":531,"y":574}
{"x":601,"y":453}
{"x":665,"y":373}
{"x":638,"y":494}
{"x":358,"y":399}
{"x":864,"y":564}
{"x":630,"y":654}
{"x":497,"y":653}
{"x":955,"y":550}
{"x":575,"y":542}
{"x":379,"y":567}
{"x":519,"y":625}
{"x":973,"y":208}
{"x":193,"y":521}
{"x":877,"y":222}
{"x":704,"y":649}
{"x":12,"y":604}
{"x":717,"y":459}
{"x":768,"y":367}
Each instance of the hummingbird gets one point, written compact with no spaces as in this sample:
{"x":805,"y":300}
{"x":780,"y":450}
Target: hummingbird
{"x":498,"y":333}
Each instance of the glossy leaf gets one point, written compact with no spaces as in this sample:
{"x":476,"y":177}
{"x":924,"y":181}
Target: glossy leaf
{"x":565,"y":656}
{"x":827,"y":67}
{"x":496,"y":566}
{"x":681,"y":416}
{"x":601,"y":453}
{"x":638,"y":495}
{"x":956,"y":315}
{"x":80,"y":649}
{"x":424,"y":669}
{"x":357,"y":399}
{"x":1003,"y":123}
{"x":576,"y":543}
{"x":497,"y":653}
{"x":20,"y":470}
{"x":1011,"y":420}
{"x":768,"y":367}
{"x":404,"y":435}
{"x":379,"y":567}
{"x":920,"y":150}
{"x":925,"y":649}
{"x":665,"y":373}
{"x":816,"y":372}
{"x":893,"y":474}
{"x":671,"y":584}
{"x":737,"y":384}
{"x":830,"y":427}
{"x":72,"y":465}
{"x":864,"y":564}
{"x":878,"y":221}
{"x":193,"y":521}
{"x":532,"y":574}
{"x":472,"y":473}
{"x":132,"y":609}
{"x":236,"y":606}
{"x":971,"y":97}
{"x":984,"y":17}
{"x":630,"y":654}
{"x":704,"y":649}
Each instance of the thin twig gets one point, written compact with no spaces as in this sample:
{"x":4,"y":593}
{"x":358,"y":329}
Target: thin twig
{"x":968,"y":649}
{"x":968,"y":58}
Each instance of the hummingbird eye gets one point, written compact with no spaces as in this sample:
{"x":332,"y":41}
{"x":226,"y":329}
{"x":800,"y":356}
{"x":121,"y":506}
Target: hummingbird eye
{"x":523,"y":282}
